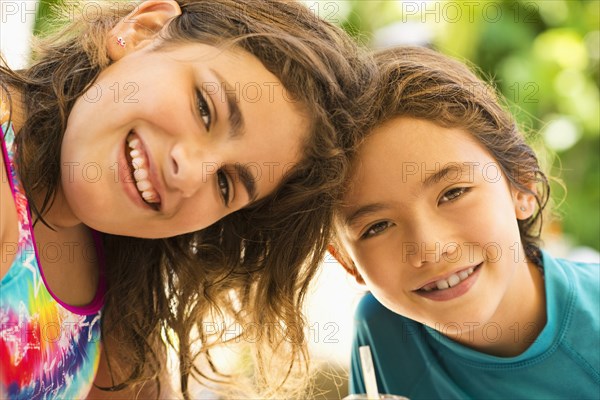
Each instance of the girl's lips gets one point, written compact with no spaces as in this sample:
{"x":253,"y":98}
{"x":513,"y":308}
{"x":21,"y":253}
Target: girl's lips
{"x":128,"y":181}
{"x":454,"y":291}
{"x":143,"y":170}
{"x":447,"y":276}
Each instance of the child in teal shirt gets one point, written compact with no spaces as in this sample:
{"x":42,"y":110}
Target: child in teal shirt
{"x":441,"y":221}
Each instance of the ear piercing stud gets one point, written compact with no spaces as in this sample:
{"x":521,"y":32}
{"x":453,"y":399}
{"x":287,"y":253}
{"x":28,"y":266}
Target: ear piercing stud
{"x":523,"y":208}
{"x":121,"y":41}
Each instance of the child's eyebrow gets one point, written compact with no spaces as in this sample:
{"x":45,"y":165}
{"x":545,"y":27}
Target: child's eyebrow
{"x":362,"y":211}
{"x":453,"y":170}
{"x":235,"y":116}
{"x":457,"y":169}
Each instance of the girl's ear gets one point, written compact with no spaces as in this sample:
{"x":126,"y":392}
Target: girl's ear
{"x":140,"y":26}
{"x":525,"y":202}
{"x":345,"y":261}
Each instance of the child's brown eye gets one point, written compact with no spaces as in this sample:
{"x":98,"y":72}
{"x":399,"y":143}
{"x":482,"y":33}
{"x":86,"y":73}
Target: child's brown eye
{"x":203,"y":109}
{"x":453,"y":194}
{"x":223,"y":186}
{"x":375,"y":229}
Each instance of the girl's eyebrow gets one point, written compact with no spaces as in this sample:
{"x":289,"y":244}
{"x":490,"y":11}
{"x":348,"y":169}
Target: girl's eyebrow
{"x":454,"y":169}
{"x":363,"y":211}
{"x":234,"y":114}
{"x":236,"y":130}
{"x":248,"y":180}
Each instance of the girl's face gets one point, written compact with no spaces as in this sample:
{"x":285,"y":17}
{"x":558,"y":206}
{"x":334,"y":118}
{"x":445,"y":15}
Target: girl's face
{"x":431,"y":225}
{"x":169,"y":142}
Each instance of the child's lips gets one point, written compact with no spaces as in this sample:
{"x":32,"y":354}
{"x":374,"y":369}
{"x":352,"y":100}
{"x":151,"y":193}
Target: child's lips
{"x":449,"y":291}
{"x":140,"y":171}
{"x":448,"y":280}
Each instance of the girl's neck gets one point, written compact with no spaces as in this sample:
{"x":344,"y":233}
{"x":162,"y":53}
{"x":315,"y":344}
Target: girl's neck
{"x":59,"y":215}
{"x":520,"y":317}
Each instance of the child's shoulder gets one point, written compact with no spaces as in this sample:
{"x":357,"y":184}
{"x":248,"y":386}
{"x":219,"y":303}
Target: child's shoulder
{"x":578,"y":283}
{"x":369,"y":310}
{"x":369,"y":306}
{"x":579,"y":273}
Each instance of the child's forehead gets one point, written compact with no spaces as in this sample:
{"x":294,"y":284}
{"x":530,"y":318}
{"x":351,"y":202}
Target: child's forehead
{"x":406,"y":143}
{"x":419,"y":135}
{"x":194,"y":52}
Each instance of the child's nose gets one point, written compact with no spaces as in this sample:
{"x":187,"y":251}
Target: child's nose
{"x":191,"y":167}
{"x":420,"y":253}
{"x":429,"y":245}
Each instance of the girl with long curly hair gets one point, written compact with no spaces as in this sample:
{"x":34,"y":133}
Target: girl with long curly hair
{"x":169,"y":166}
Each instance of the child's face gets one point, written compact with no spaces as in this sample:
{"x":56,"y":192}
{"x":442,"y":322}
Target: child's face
{"x":203,"y":161}
{"x":410,"y":231}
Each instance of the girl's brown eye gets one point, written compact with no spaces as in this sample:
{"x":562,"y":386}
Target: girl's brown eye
{"x":453,"y":194}
{"x":375,"y":229}
{"x":223,"y":183}
{"x":203,"y":109}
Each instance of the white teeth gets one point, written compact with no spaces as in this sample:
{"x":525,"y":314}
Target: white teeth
{"x":137,"y":162}
{"x":463,"y":275}
{"x":143,"y":185}
{"x":453,"y":280}
{"x":134,"y":143}
{"x":442,"y":284}
{"x":140,"y":174}
{"x":149,"y":195}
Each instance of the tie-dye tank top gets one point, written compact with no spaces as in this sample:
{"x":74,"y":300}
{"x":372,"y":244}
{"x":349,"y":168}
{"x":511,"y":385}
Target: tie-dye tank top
{"x":48,"y":349}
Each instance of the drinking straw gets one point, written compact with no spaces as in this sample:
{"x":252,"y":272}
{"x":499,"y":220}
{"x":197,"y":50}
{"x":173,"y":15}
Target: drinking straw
{"x":366,"y":362}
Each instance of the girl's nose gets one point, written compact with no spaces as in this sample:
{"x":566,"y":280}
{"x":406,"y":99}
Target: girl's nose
{"x":190,"y":168}
{"x":428,"y":246}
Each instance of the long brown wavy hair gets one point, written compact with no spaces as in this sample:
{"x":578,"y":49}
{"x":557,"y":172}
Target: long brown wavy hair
{"x":249,"y":270}
{"x":421,"y":83}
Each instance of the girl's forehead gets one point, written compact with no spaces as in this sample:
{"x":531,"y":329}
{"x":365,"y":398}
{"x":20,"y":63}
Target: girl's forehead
{"x":416,"y":148}
{"x":194,"y":52}
{"x":418,"y":139}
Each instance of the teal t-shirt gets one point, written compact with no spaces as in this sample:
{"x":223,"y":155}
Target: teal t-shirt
{"x":562,"y":363}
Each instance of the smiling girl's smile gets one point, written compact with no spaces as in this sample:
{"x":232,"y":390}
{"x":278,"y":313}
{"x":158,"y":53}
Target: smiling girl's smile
{"x":426,"y":243}
{"x":452,"y":287}
{"x":139,"y":165}
{"x":184,"y":151}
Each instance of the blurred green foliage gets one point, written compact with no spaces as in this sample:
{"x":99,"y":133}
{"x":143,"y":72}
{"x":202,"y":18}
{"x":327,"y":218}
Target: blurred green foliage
{"x":543,"y":56}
